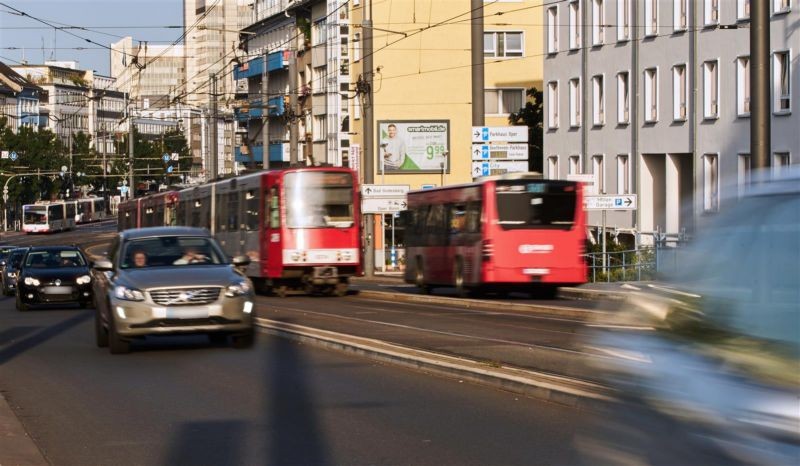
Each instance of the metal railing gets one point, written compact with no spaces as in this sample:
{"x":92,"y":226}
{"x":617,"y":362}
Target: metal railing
{"x":634,"y":264}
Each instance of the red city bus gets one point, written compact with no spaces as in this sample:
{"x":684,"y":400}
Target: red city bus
{"x":513,"y":232}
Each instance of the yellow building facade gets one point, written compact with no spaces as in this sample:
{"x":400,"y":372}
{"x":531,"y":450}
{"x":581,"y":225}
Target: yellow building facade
{"x":423,"y":85}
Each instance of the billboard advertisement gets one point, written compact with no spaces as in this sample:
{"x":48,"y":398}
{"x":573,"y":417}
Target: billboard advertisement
{"x":418,"y":146}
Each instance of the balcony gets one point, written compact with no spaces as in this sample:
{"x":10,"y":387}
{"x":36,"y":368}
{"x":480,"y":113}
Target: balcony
{"x":252,"y":68}
{"x":278,"y":60}
{"x":275,"y":106}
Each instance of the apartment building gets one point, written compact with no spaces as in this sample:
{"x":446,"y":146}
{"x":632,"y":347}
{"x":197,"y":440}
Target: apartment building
{"x":19,"y":100}
{"x":653,"y":98}
{"x":152,"y":74}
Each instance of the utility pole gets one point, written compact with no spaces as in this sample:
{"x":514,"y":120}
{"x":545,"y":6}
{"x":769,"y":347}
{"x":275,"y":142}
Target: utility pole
{"x":760,"y":131}
{"x":369,"y":152}
{"x":131,"y":187}
{"x":478,"y":113}
{"x":214,"y":150}
{"x":265,"y":112}
{"x":293,"y":122}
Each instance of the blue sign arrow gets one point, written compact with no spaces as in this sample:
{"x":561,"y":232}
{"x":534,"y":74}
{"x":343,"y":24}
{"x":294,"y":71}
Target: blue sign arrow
{"x":170,"y":168}
{"x":484,"y":152}
{"x":13,"y":156}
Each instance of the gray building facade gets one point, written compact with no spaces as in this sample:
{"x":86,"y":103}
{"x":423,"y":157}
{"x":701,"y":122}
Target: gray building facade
{"x":652,"y":97}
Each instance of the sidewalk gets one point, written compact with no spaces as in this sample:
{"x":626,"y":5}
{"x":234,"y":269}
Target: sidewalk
{"x":16,"y":447}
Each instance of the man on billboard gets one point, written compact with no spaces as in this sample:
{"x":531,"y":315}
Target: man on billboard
{"x":394,"y":149}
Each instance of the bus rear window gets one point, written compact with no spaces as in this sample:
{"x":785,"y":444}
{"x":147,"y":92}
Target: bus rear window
{"x":531,"y":205}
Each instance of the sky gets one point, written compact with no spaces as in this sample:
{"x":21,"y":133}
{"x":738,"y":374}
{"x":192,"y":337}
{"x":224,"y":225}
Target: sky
{"x":105,"y":20}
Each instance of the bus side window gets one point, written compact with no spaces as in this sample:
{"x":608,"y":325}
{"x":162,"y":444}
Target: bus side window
{"x":458,"y":219}
{"x":274,"y":208}
{"x":436,"y":226}
{"x":473,"y":224}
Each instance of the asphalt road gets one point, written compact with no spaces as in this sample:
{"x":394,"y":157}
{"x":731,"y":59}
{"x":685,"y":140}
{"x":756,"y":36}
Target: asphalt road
{"x":183,"y":401}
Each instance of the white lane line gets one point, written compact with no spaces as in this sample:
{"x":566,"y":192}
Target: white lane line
{"x":435,"y":332}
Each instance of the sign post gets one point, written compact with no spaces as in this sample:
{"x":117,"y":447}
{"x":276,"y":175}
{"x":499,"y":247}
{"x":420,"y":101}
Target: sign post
{"x":605,"y":203}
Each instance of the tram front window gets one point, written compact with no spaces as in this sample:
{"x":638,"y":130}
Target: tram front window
{"x":35,"y":215}
{"x":319,"y":200}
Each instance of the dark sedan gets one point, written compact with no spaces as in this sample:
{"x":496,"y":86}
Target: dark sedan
{"x":54,"y":275}
{"x":11,"y":270}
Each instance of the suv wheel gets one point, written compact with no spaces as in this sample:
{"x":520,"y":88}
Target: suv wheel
{"x":100,"y":333}
{"x":20,"y":305}
{"x":244,"y":340}
{"x":115,"y":343}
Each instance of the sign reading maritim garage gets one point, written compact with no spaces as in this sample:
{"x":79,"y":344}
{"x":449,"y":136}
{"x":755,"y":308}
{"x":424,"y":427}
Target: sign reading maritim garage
{"x":622,"y":202}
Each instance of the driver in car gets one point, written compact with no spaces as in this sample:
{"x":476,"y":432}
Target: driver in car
{"x":191,"y":256}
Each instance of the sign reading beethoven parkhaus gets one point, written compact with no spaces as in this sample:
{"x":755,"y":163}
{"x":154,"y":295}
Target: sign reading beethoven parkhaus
{"x":414,"y":146}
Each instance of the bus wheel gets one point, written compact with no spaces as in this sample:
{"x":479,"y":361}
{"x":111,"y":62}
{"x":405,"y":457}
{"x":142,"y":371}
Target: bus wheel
{"x":458,"y":279}
{"x":340,"y":289}
{"x":281,"y":291}
{"x":419,"y":278}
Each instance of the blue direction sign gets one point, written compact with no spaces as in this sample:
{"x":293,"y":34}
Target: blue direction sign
{"x":13,"y":156}
{"x":484,"y":152}
{"x":485,"y":169}
{"x":170,"y":168}
{"x":165,"y":157}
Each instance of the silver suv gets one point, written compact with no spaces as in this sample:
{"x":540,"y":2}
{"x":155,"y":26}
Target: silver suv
{"x":170,"y":280}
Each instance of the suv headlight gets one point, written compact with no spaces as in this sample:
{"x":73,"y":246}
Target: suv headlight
{"x":12,"y":274}
{"x":128,"y":294}
{"x":30,"y":281}
{"x":237,"y":289}
{"x":83,"y":280}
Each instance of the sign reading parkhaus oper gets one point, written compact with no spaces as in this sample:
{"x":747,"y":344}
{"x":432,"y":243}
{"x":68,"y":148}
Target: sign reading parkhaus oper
{"x":414,"y":146}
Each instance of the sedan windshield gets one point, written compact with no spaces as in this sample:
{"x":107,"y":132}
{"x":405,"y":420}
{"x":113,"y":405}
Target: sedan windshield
{"x":171,"y":251}
{"x":54,"y":259}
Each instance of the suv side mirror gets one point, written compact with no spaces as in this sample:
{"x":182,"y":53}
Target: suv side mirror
{"x":103,"y":265}
{"x":241,"y":261}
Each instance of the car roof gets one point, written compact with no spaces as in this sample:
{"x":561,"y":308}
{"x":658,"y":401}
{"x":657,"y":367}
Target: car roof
{"x":163,"y":231}
{"x":65,"y":247}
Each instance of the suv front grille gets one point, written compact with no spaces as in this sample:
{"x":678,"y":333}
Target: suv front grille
{"x":185,"y":296}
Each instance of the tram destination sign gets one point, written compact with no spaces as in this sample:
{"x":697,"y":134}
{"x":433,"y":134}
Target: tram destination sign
{"x":622,"y":202}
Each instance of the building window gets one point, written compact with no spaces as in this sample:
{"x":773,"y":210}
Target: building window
{"x":574,"y":165}
{"x":651,"y":18}
{"x":711,"y":12}
{"x":780,"y":162}
{"x":502,"y":44}
{"x":623,"y":20}
{"x":781,"y":6}
{"x":574,"y":25}
{"x":552,"y":167}
{"x":711,"y":89}
{"x":575,"y":102}
{"x":743,"y":86}
{"x":599,"y":174}
{"x":503,"y":101}
{"x":598,"y":101}
{"x":711,"y":183}
{"x":552,"y":105}
{"x":680,"y":21}
{"x":781,"y":87}
{"x":320,"y":129}
{"x":552,"y":29}
{"x":742,"y":9}
{"x":598,"y":22}
{"x":744,"y":172}
{"x":623,"y":175}
{"x":679,"y":92}
{"x":651,"y":95}
{"x":356,"y":46}
{"x":623,"y":98}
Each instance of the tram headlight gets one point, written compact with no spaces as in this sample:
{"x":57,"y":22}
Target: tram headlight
{"x":296,"y":256}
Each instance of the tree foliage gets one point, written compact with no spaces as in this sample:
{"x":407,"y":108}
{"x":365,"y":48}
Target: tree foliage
{"x":532,"y":116}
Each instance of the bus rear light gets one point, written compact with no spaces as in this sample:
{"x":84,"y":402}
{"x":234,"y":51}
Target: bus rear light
{"x":487,"y":251}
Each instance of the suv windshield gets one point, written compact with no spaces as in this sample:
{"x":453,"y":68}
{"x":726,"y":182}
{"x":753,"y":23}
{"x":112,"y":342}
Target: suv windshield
{"x":54,"y":259}
{"x":535,"y":204}
{"x":171,"y":251}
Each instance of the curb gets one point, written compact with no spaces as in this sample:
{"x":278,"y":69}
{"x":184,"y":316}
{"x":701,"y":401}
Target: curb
{"x":549,"y":311}
{"x":548,"y":387}
{"x":16,"y":447}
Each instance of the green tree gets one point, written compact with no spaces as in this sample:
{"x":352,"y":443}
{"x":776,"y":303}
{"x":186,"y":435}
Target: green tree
{"x":532,"y":116}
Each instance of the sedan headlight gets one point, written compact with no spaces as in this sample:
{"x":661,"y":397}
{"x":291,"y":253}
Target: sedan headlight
{"x":30,"y":281}
{"x":11,"y":274}
{"x":237,"y":289}
{"x":128,"y":294}
{"x":83,"y":280}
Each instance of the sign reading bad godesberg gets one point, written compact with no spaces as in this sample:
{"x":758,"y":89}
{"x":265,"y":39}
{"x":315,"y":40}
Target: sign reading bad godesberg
{"x":385,"y":190}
